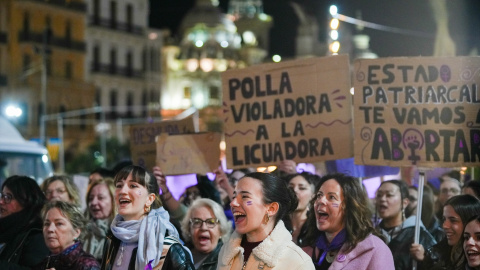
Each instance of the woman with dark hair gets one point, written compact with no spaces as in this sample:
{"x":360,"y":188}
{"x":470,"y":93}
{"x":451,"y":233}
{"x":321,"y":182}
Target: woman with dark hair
{"x":21,"y":240}
{"x":391,"y":201}
{"x":340,"y":232}
{"x":303,"y":184}
{"x":472,"y":187}
{"x":142,"y":236}
{"x":471,"y":242}
{"x":260,"y":239}
{"x":448,"y":253}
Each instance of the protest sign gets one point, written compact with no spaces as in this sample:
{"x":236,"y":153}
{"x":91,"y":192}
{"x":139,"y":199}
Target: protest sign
{"x":191,"y":153}
{"x":142,"y":137}
{"x":295,"y":110}
{"x":421,"y":111}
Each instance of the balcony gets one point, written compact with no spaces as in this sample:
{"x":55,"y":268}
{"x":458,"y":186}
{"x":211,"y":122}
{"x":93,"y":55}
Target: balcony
{"x":120,"y":26}
{"x":60,"y":42}
{"x":71,"y":5}
{"x":116,"y":71}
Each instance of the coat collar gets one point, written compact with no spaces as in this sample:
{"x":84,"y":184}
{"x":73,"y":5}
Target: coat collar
{"x":269,"y":251}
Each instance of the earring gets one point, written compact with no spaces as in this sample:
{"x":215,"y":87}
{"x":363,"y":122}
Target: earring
{"x":266,"y":218}
{"x":146,"y":209}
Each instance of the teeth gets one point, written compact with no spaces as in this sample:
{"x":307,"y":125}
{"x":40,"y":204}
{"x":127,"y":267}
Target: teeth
{"x":238,"y":214}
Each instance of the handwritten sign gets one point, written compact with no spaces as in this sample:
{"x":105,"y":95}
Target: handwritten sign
{"x":142,"y":137}
{"x":295,"y":110}
{"x":420,"y":111}
{"x":192,"y":153}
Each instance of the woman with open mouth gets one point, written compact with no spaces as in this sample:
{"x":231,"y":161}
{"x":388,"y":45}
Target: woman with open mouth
{"x":390,"y":202}
{"x":260,"y":240}
{"x":142,"y":236}
{"x":471,"y":243}
{"x":340,"y":233}
{"x":448,"y":253}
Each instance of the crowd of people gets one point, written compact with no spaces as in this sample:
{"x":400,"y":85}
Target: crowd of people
{"x":241,"y":220}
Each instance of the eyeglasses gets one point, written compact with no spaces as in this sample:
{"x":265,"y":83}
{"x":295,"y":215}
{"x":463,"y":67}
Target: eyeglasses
{"x":7,"y":198}
{"x":197,"y":223}
{"x":450,"y":190}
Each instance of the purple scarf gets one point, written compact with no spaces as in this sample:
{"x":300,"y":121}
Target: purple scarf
{"x":337,"y":242}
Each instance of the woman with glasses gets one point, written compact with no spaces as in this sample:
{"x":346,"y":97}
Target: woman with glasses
{"x":260,"y":240}
{"x":340,"y":232}
{"x":204,"y":228}
{"x":61,"y":188}
{"x":21,"y":240}
{"x":142,"y":236}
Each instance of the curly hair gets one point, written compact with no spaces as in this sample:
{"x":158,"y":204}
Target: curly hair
{"x":357,"y":214}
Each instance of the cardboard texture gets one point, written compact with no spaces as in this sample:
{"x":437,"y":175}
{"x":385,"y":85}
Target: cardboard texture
{"x":142,"y":138}
{"x":422,"y":111}
{"x":184,"y":154}
{"x":298,"y":110}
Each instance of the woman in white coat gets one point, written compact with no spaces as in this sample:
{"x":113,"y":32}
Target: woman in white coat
{"x":260,"y":240}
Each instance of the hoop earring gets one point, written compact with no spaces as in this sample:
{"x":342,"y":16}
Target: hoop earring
{"x":266,"y":219}
{"x":146,"y":209}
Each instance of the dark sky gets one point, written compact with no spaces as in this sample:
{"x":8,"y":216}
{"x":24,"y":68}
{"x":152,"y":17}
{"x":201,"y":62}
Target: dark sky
{"x":412,"y":15}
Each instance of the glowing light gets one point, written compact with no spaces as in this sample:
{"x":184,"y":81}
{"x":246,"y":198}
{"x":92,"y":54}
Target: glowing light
{"x":352,"y":91}
{"x":153,"y":36}
{"x":206,"y":64}
{"x":261,"y":169}
{"x":44,"y":158}
{"x":334,"y":23}
{"x":334,"y":34}
{"x":333,"y":10}
{"x":223,"y":146}
{"x":13,"y":111}
{"x":249,"y":37}
{"x":276,"y":58}
{"x":335,"y":47}
{"x":224,"y":44}
{"x":271,"y":168}
{"x":191,"y":65}
{"x":199,"y":43}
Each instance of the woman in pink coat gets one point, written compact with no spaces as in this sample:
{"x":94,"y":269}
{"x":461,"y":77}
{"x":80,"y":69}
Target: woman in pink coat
{"x":340,"y":231}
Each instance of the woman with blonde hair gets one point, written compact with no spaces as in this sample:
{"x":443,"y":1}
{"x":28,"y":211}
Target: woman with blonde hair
{"x":61,"y":188}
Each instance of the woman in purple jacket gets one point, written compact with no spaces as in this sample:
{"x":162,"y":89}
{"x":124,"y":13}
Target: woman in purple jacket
{"x":340,"y":231}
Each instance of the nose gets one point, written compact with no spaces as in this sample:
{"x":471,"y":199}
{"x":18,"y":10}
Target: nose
{"x":470,"y":241}
{"x":50,"y":227}
{"x":446,"y":224}
{"x":234,"y":202}
{"x":204,"y":226}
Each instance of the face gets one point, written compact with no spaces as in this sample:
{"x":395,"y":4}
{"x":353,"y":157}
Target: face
{"x":192,"y":193}
{"x":100,"y":202}
{"x":471,"y":243}
{"x":248,"y":208}
{"x":56,"y":191}
{"x":58,"y":231}
{"x":328,"y":207}
{"x":11,"y":207}
{"x":469,"y":191}
{"x":448,"y":189}
{"x":412,"y":202}
{"x":388,"y":201}
{"x":452,"y":225}
{"x":303,"y":190}
{"x":131,"y":198}
{"x":204,"y":238}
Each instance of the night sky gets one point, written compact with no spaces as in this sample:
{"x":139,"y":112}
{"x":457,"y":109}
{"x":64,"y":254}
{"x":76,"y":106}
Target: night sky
{"x":406,"y":14}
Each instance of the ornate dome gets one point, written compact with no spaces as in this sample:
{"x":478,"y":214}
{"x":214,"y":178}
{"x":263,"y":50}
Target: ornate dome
{"x":204,"y":12}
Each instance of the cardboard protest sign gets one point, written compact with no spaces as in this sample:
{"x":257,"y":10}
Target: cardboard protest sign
{"x":142,"y":137}
{"x":298,"y":110}
{"x":190,"y":153}
{"x":420,"y":111}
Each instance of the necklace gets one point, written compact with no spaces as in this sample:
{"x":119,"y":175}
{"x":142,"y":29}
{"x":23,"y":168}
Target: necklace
{"x":120,"y":258}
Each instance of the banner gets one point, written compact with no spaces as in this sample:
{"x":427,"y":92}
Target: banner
{"x":295,"y":110}
{"x":191,"y":153}
{"x":142,"y":137}
{"x":421,"y":111}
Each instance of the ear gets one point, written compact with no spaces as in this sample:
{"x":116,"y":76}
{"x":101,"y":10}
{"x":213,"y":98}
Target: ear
{"x":76,"y":233}
{"x":406,"y":201}
{"x":150,"y":199}
{"x":272,"y":208}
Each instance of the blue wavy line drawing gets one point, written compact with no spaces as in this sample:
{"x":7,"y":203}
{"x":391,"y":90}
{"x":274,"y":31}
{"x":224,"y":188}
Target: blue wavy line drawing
{"x":238,"y":131}
{"x":328,"y":124}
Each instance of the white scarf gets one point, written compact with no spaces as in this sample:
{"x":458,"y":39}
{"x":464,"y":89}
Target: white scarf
{"x":148,"y":232}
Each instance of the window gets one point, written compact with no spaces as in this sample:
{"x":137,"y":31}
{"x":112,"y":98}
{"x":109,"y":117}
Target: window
{"x":187,"y":92}
{"x":129,"y":18}
{"x":129,"y":105}
{"x":68,"y":34}
{"x":68,"y":70}
{"x":48,"y":65}
{"x":214,"y":92}
{"x":144,"y":59}
{"x":96,"y":58}
{"x":113,"y":103}
{"x":96,"y":12}
{"x":113,"y":14}
{"x":26,"y":62}
{"x":26,"y":24}
{"x":113,"y":61}
{"x":144,"y":102}
{"x":129,"y":66}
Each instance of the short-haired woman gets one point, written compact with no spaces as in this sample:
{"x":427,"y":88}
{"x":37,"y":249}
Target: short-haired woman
{"x":61,"y":188}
